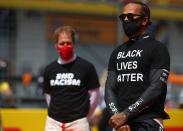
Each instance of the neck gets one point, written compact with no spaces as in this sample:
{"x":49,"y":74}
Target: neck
{"x":140,"y":33}
{"x":61,"y":61}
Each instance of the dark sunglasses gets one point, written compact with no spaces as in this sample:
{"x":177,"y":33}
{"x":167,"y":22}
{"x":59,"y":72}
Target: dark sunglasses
{"x":65,"y":42}
{"x":130,"y":16}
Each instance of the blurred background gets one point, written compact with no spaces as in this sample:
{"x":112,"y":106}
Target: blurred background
{"x":26,"y":47}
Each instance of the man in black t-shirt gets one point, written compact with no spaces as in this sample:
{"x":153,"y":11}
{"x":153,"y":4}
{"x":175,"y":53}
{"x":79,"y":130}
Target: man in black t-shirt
{"x":137,"y":74}
{"x":70,"y":86}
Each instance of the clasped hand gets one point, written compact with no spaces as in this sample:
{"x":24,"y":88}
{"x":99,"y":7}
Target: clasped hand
{"x":118,"y":122}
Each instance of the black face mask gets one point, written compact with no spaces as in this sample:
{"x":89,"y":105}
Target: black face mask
{"x":131,"y":27}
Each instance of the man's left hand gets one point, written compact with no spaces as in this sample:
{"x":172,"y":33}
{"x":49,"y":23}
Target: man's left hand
{"x":117,"y":120}
{"x":124,"y":128}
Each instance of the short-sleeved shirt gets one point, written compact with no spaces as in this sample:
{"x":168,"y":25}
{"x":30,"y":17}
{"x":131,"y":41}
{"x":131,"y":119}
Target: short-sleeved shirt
{"x":132,"y":62}
{"x":68,"y":85}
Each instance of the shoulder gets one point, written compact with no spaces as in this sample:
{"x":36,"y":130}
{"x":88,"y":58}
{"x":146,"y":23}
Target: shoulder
{"x":159,"y":46}
{"x":117,"y":48}
{"x":153,"y":46}
{"x":51,"y":65}
{"x":155,"y":43}
{"x":83,"y":62}
{"x":160,"y":52}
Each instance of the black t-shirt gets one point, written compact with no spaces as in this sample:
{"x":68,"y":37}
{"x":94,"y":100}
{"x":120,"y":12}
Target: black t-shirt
{"x":68,"y":85}
{"x":132,"y":62}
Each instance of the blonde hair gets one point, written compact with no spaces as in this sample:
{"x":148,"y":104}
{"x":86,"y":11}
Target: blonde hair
{"x":67,"y":29}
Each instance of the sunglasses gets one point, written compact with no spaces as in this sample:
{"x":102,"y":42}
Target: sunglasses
{"x":131,"y":17}
{"x":65,"y":43}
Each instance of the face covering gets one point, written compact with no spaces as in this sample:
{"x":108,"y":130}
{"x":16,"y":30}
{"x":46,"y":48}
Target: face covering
{"x":131,"y":27}
{"x":66,"y":52}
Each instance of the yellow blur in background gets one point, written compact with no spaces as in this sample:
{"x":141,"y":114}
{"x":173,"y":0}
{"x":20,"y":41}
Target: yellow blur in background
{"x":34,"y":120}
{"x":23,"y":119}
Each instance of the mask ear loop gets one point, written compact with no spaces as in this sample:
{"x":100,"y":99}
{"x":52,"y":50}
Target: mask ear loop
{"x":149,"y":22}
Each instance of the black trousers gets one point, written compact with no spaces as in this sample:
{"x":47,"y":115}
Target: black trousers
{"x":146,"y":125}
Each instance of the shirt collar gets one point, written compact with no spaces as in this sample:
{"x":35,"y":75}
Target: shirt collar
{"x":61,"y":61}
{"x":145,"y":36}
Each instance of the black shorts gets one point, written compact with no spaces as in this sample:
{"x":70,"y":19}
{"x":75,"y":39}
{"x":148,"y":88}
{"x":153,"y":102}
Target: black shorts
{"x":146,"y":125}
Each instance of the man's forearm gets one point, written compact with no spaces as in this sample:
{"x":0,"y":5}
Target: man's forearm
{"x":110,"y":97}
{"x":94,"y":99}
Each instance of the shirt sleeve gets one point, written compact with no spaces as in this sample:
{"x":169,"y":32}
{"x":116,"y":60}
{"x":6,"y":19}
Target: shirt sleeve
{"x":92,"y":80}
{"x":111,"y":65}
{"x":110,"y":86}
{"x":160,"y":58}
{"x":46,"y":84}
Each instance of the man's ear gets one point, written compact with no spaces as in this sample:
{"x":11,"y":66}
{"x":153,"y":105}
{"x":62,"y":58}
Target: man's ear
{"x":145,"y":21}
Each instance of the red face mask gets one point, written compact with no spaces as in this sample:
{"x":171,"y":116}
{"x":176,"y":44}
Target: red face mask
{"x":65,"y":52}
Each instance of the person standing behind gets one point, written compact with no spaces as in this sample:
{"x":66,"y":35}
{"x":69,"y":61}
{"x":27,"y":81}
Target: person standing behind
{"x":138,"y":69}
{"x":71,"y":86}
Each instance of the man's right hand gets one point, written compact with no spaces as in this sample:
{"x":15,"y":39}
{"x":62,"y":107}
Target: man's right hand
{"x":117,"y":120}
{"x":124,"y":128}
